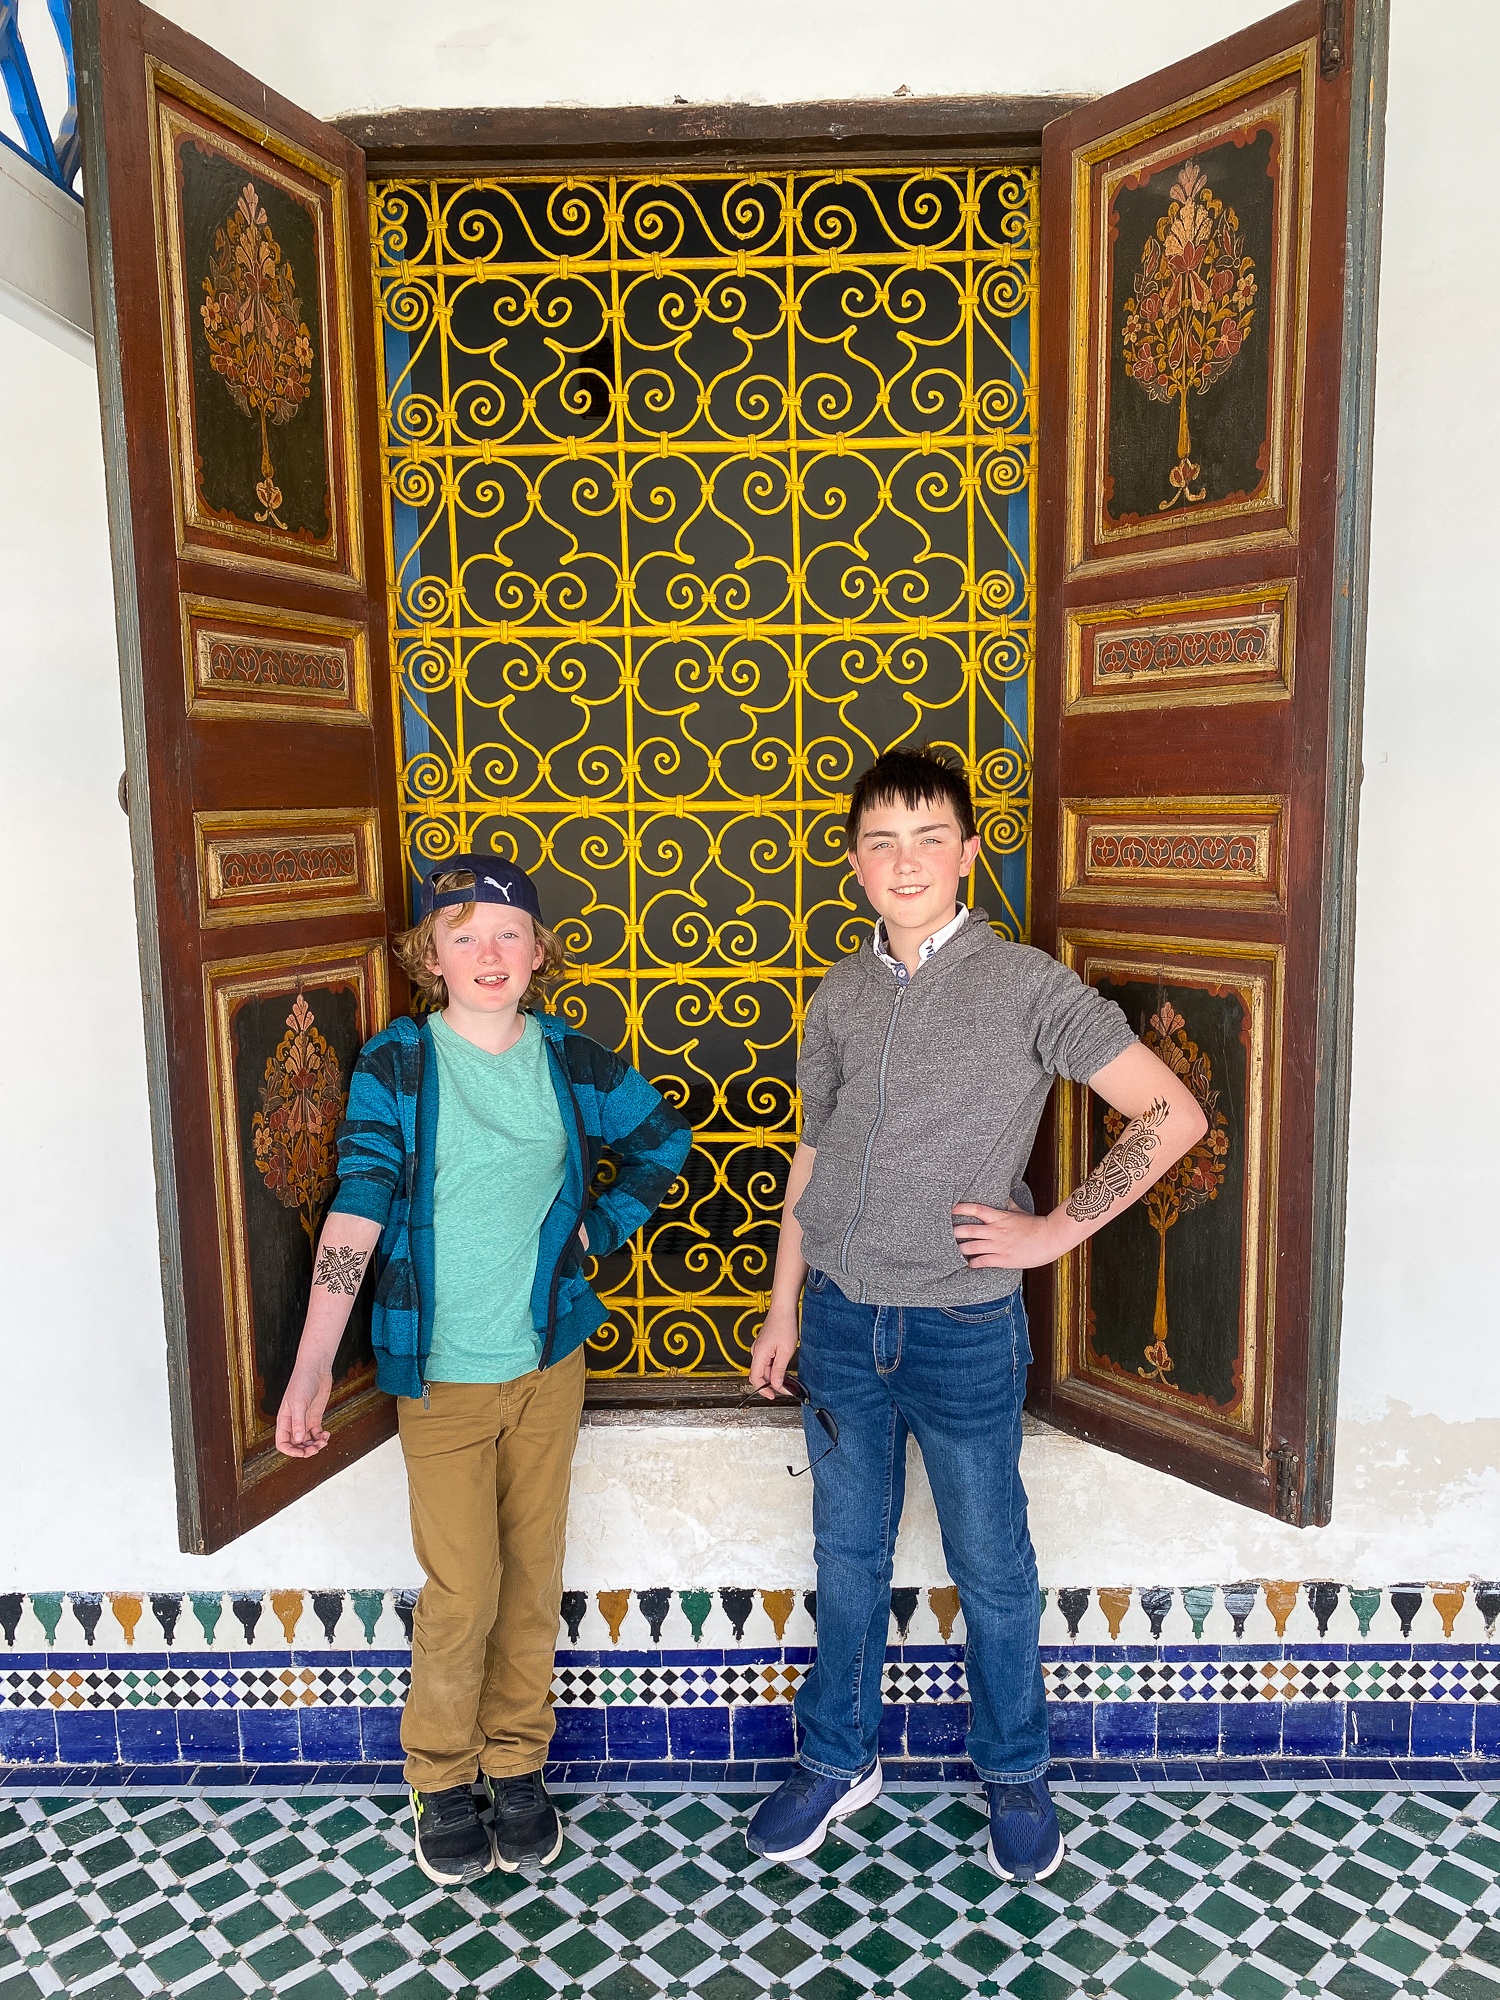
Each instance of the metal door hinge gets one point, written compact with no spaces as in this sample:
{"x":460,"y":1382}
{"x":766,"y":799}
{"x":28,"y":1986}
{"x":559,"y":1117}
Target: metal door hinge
{"x":1286,"y":1466}
{"x":1331,"y":40}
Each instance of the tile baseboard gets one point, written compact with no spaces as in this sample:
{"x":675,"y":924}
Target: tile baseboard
{"x":667,"y":1711}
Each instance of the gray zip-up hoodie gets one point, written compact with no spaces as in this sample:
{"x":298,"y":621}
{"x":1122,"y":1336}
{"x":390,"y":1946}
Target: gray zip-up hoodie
{"x":924,"y":1090}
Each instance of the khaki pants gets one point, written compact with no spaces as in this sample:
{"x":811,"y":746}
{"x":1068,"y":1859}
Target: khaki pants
{"x":488,"y":1468}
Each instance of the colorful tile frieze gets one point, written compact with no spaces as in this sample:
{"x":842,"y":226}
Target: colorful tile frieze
{"x":1252,"y":1612}
{"x":1224,"y":1647}
{"x":1257,"y":1669}
{"x":580,"y":1681}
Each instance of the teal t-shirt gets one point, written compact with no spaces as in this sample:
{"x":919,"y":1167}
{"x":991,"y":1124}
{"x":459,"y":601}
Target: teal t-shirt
{"x":500,"y":1157}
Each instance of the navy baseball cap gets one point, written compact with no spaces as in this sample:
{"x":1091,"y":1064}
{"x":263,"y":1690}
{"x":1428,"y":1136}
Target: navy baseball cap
{"x":495,"y":881}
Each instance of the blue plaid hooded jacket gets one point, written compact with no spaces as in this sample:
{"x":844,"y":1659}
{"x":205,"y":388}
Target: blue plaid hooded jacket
{"x":387,"y":1164}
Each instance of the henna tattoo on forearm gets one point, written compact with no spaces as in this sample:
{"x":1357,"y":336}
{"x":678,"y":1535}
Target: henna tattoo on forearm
{"x":1126,"y":1162}
{"x":340,"y":1269}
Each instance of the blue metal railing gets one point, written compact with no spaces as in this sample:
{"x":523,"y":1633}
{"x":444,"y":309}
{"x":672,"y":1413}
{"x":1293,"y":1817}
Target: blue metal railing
{"x":55,"y":153}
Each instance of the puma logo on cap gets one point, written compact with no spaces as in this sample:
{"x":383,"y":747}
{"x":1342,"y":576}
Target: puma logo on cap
{"x":494,"y":881}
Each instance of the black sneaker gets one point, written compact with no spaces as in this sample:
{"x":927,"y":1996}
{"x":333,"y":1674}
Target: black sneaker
{"x":524,"y":1822}
{"x":452,"y":1843}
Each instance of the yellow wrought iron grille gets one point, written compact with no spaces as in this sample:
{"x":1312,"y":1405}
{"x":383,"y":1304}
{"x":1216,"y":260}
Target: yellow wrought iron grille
{"x":701,"y":490}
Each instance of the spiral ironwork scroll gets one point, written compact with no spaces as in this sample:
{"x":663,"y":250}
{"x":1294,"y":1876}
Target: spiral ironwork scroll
{"x":700,"y":491}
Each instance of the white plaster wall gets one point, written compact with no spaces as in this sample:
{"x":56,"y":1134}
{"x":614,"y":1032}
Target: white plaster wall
{"x":86,"y":1476}
{"x":365,"y":55}
{"x":1421,"y":1286}
{"x":44,"y":279}
{"x":85,"y":1482}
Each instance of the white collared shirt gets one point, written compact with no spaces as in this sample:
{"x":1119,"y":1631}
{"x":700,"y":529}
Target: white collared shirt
{"x":929,"y":946}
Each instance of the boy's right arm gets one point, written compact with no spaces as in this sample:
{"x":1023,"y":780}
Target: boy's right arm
{"x":776,"y":1342}
{"x":371,"y":1159}
{"x":343,"y":1251}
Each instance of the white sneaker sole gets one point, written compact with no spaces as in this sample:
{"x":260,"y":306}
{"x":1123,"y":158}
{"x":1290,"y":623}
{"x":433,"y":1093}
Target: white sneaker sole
{"x":864,"y":1793}
{"x":1042,"y":1873}
{"x":453,"y":1881}
{"x":538,"y":1861}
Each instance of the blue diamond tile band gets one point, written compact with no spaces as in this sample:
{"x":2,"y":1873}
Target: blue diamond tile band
{"x":692,"y":1679}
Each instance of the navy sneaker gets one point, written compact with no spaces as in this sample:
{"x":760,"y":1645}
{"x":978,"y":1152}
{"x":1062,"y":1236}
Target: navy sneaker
{"x":796,"y":1817}
{"x":1026,"y":1843}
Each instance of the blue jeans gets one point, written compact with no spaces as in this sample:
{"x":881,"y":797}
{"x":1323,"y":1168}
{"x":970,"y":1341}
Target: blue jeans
{"x":955,"y":1379}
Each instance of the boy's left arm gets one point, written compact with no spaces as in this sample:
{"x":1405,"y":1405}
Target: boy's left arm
{"x":1166,"y":1120}
{"x":651,"y":1140}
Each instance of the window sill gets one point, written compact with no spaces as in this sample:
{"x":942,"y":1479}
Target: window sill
{"x":681,"y":1401}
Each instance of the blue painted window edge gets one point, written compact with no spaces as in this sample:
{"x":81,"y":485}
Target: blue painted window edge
{"x":55,"y":154}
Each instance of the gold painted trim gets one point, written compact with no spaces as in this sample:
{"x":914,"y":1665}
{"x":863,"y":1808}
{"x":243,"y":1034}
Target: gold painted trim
{"x":216,"y":833}
{"x":226,"y":981}
{"x":1133,"y":954}
{"x":205,"y":705}
{"x":1258,"y":815}
{"x":1279,"y":492}
{"x":340,"y":562}
{"x":1228,"y":686}
{"x":1287,"y":380}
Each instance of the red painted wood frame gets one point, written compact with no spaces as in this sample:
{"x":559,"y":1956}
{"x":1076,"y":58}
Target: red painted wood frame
{"x":1200,"y":590}
{"x":260,"y":752}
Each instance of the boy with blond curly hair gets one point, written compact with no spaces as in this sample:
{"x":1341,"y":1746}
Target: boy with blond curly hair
{"x":466,"y":1163}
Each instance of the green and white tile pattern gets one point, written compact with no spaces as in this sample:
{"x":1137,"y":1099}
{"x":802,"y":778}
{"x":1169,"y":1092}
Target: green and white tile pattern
{"x":1355,"y":1893}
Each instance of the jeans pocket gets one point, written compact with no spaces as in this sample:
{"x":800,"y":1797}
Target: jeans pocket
{"x":816,"y":1281}
{"x":1020,"y":1337}
{"x":1023,"y":1329}
{"x":989,"y":1310}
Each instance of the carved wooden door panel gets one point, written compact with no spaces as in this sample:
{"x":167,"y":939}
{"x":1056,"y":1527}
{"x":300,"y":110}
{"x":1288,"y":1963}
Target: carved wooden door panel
{"x":1194,"y":685}
{"x":231,"y":299}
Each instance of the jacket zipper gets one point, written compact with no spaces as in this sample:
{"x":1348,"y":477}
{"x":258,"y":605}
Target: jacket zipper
{"x":879,"y":1119}
{"x":583,"y":1153}
{"x":411,"y":1189}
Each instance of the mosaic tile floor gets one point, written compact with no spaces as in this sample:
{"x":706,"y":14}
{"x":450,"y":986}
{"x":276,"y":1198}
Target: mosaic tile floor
{"x":1255,"y":1894}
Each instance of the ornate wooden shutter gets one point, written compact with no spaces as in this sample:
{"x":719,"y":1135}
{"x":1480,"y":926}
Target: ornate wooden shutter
{"x":231,"y":281}
{"x":1207,"y":344}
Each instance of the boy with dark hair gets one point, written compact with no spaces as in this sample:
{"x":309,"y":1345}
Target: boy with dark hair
{"x":925,"y":1065}
{"x":467,"y":1156}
